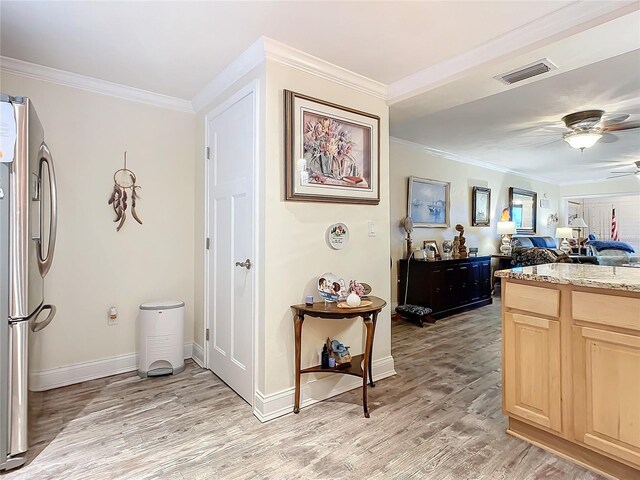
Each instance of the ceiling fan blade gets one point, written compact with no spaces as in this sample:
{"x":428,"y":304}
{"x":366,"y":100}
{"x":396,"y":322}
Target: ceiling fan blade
{"x":612,"y":118}
{"x":609,"y":138}
{"x":622,"y":126}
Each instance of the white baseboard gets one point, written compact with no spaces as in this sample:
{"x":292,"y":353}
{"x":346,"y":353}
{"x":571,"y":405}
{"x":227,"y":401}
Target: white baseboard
{"x":198,"y":354}
{"x":268,"y":407}
{"x":82,"y":372}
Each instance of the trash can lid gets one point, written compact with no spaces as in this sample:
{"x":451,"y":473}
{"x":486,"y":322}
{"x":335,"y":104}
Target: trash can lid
{"x":162,"y":305}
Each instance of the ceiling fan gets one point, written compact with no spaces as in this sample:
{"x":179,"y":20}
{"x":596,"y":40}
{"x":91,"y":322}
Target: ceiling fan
{"x":588,"y":126}
{"x":624,"y":174}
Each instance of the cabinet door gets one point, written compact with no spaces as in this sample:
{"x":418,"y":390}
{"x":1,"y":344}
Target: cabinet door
{"x":438,"y":293}
{"x":464,"y":284}
{"x":486,"y":279}
{"x":476,"y":281}
{"x":532,"y":369}
{"x":607,"y":391}
{"x":451,"y":287}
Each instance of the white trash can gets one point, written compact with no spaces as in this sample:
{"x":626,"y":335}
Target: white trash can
{"x":161,"y":339}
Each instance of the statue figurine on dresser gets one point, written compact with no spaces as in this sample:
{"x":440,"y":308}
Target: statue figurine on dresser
{"x":462,"y":249}
{"x":456,"y":244}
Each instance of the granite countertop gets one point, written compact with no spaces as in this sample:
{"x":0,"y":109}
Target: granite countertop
{"x":583,"y":275}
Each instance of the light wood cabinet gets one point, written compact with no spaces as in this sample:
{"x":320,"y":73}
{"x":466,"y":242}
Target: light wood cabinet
{"x":607,"y":391}
{"x":532,"y":388}
{"x":571,"y":372}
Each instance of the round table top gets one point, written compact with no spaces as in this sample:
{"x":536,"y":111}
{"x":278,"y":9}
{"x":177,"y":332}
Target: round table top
{"x":331,"y":309}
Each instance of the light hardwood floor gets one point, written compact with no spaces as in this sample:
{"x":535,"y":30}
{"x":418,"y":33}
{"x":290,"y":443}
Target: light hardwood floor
{"x":439,"y":418}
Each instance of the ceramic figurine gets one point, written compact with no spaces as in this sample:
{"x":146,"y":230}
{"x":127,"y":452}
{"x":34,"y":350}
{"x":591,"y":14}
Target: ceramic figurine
{"x":462,"y":249}
{"x":338,"y":351}
{"x":456,"y":244}
{"x":353,"y":300}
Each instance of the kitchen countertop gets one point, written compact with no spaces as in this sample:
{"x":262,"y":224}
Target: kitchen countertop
{"x":583,"y":275}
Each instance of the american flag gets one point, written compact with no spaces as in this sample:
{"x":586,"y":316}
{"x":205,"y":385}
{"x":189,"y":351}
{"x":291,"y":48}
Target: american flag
{"x":614,"y":226}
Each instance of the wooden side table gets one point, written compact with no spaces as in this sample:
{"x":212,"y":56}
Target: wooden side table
{"x":360,"y":364}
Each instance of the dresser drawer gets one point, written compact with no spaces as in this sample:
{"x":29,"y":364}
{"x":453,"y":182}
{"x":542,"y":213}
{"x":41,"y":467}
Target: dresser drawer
{"x":614,"y":311}
{"x":543,"y":301}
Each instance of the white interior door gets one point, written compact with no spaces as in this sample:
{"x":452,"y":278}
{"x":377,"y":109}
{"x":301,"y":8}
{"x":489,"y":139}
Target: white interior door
{"x":231,"y":140}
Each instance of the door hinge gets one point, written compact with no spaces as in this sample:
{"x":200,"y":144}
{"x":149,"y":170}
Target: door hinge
{"x":208,"y":153}
{"x":208,"y":243}
{"x":207,"y":334}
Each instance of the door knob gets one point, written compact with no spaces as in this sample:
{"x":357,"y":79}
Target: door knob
{"x":246,"y":264}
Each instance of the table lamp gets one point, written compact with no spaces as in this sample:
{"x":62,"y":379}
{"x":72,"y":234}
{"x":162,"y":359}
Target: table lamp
{"x":506,"y":229}
{"x":564,"y":233}
{"x":578,"y":222}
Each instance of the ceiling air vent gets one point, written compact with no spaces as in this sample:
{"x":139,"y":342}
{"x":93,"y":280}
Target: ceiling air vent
{"x":537,"y":68}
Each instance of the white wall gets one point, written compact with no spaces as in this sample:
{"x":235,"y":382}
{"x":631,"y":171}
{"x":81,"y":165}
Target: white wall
{"x":96,"y":267}
{"x":296,"y":252}
{"x":412,"y":160}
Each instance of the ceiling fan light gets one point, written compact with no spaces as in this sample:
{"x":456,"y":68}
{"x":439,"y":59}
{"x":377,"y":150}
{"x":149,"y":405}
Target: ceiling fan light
{"x":582,"y":140}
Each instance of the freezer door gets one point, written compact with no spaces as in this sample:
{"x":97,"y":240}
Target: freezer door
{"x":26,"y":280}
{"x":4,"y":313}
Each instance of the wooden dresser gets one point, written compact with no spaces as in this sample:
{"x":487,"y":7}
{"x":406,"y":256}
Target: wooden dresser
{"x":446,"y":286}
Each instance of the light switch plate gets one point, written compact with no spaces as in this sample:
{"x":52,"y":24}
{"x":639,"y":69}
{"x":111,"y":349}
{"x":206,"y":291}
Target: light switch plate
{"x":371,"y":228}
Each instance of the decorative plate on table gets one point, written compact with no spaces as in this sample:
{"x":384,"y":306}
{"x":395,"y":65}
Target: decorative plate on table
{"x":331,"y":288}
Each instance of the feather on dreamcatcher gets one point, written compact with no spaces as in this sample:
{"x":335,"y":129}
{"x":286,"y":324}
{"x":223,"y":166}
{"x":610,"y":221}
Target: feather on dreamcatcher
{"x":124,"y":180}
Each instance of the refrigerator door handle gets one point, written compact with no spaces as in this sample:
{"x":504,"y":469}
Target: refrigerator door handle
{"x":37,"y":326}
{"x":44,"y":263}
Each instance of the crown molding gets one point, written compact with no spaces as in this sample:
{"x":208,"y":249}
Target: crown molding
{"x":247,"y":61}
{"x":302,"y":61}
{"x":266,"y":48}
{"x":469,"y":161}
{"x":565,"y":21}
{"x":91,"y":84}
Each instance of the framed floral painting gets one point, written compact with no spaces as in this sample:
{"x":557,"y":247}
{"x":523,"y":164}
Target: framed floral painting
{"x":332,"y":152}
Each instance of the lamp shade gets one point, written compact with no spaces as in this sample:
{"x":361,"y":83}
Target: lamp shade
{"x":578,"y":222}
{"x":506,"y":228}
{"x":564,"y":232}
{"x":582,"y":139}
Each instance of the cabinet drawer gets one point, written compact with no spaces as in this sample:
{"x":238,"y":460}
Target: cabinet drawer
{"x":614,"y":311}
{"x":543,"y":301}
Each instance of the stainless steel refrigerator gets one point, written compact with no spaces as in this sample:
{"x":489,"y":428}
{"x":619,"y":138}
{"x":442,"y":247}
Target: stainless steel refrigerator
{"x":28,"y":222}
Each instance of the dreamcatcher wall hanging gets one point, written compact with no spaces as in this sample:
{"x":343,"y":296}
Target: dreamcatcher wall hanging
{"x":124,"y":181}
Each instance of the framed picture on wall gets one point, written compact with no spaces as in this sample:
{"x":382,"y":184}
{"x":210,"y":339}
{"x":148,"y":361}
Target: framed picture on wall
{"x":332,"y":152}
{"x":481,"y":207}
{"x":428,"y":202}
